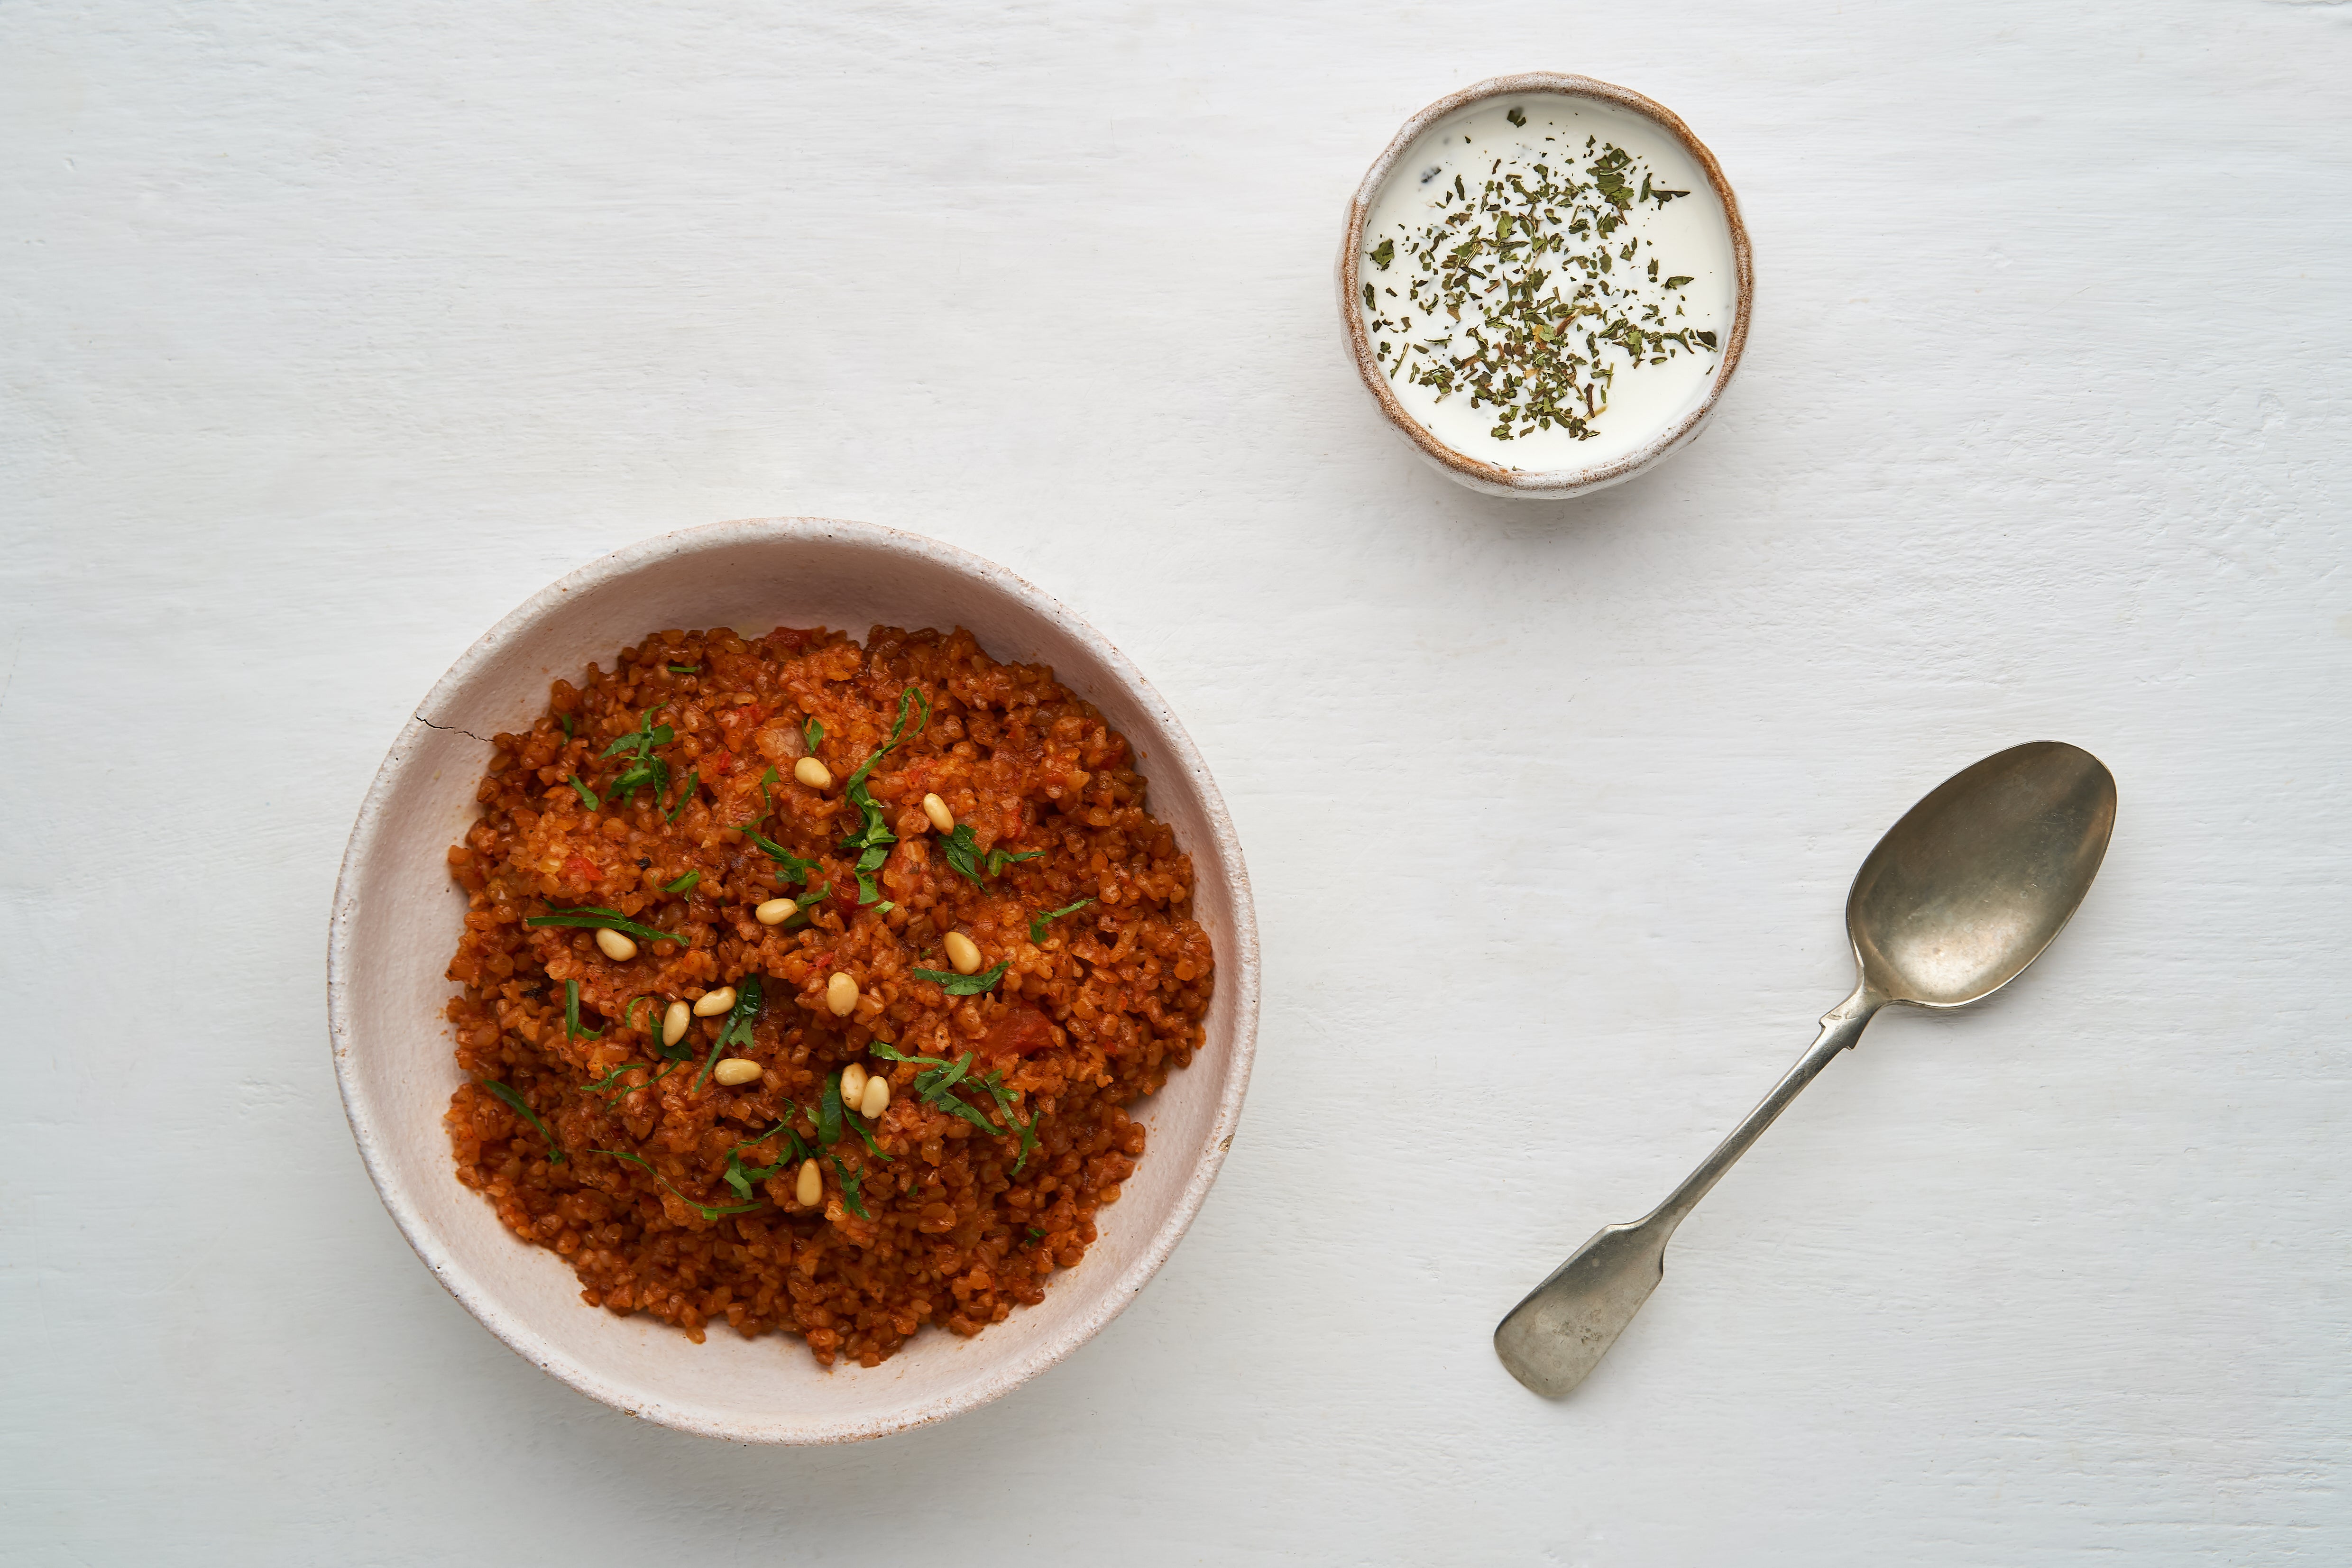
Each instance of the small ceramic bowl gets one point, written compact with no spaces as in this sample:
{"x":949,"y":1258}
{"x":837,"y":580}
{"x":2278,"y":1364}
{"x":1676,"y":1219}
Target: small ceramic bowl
{"x":396,"y":916}
{"x":1555,"y":483}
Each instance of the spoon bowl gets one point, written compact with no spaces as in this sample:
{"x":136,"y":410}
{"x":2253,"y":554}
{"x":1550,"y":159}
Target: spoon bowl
{"x":1980,"y":875}
{"x":1961,"y":896}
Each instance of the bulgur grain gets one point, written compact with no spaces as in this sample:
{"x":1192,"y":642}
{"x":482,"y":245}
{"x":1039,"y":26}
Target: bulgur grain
{"x":961,"y":1224}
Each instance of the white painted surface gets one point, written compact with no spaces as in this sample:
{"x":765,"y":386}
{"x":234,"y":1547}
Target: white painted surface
{"x":334,"y":331}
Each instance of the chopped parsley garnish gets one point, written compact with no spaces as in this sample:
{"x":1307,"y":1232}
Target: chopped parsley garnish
{"x":850,"y":1185}
{"x":644,"y":769}
{"x":965,"y":856}
{"x":704,"y":1210}
{"x":572,"y":1029}
{"x":1036,"y":1234}
{"x":741,"y":1176}
{"x":589,"y":917}
{"x":587,"y":797}
{"x":683,"y":669}
{"x":858,"y":1127}
{"x":1038,"y":922}
{"x":565,"y":720}
{"x":738,"y":1027}
{"x":605,"y":1084}
{"x":873,"y":838}
{"x":965,"y":985}
{"x":685,"y":884}
{"x":554,"y":1155}
{"x":684,"y":794}
{"x":828,"y":1111}
{"x":813,"y":733}
{"x":793,"y":867}
{"x":935,"y":1086}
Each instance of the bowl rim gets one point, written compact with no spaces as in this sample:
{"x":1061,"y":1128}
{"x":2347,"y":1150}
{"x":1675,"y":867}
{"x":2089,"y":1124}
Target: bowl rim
{"x":1240,"y":967}
{"x":1549,"y":483}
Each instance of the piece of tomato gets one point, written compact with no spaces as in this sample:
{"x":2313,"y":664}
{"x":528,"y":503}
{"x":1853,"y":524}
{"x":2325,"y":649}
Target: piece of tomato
{"x":1022,"y":1031}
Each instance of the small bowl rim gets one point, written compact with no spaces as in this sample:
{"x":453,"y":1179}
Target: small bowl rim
{"x":1110,"y":1295}
{"x":1552,"y":483}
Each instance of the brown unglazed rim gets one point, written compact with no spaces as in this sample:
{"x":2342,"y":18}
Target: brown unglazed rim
{"x":1558,"y":482}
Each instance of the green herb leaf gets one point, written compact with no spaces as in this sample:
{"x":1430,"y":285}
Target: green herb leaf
{"x":589,"y":917}
{"x":889,"y":1052}
{"x":685,"y":884}
{"x":850,"y":1186}
{"x":935,"y":1085}
{"x":857,"y":1125}
{"x":630,"y":1016}
{"x":911,"y":697}
{"x":737,"y":1030}
{"x":963,"y":855}
{"x":683,"y":669}
{"x":813,"y":733}
{"x":828,"y":1111}
{"x":873,"y":838}
{"x":1382,"y":254}
{"x":1678,"y":281}
{"x":685,"y":793}
{"x":1036,"y":1234}
{"x":587,"y":796}
{"x":554,"y":1155}
{"x":572,"y":1029}
{"x":565,"y":720}
{"x":1037,"y":923}
{"x":603,"y":1085}
{"x":964,"y":985}
{"x":793,"y":868}
{"x":647,"y":771}
{"x":707,"y":1211}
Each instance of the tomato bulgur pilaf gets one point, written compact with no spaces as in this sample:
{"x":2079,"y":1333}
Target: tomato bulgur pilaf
{"x":786,"y":831}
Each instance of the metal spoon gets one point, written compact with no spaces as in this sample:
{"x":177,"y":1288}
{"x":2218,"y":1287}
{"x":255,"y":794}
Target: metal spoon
{"x":1958,"y":898}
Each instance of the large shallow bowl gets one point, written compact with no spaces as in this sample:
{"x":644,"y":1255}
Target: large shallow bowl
{"x":395,"y":922}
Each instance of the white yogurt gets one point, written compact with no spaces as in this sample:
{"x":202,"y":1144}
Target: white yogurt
{"x":1687,"y":236}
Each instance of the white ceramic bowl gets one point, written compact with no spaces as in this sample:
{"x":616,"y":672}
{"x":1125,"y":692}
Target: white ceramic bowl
{"x":395,"y":922}
{"x":1557,"y":484}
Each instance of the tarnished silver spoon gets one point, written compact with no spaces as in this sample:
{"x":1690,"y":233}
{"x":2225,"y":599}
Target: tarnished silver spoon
{"x":1958,"y":898}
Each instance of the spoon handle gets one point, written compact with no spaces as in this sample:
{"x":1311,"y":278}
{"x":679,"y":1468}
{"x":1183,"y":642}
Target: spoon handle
{"x":1554,"y":1338}
{"x":1841,"y":1026}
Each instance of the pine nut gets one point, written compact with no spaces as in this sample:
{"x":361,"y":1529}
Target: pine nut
{"x":615,"y":946}
{"x":713,"y":1003}
{"x":673,"y":1022}
{"x":853,"y":1084}
{"x":812,"y":773}
{"x":841,"y":995}
{"x":877,"y":1097}
{"x":963,"y":953}
{"x":735,"y":1071}
{"x":936,"y":811}
{"x":776,"y":911}
{"x":810,"y":1187}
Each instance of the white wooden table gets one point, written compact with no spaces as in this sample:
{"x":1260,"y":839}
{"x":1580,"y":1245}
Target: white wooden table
{"x":333,"y":331}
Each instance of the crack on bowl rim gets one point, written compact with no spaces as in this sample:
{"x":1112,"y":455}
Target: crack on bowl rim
{"x":1113,"y":1296}
{"x":1549,"y":483}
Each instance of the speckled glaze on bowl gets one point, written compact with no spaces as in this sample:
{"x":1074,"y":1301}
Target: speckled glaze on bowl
{"x":395,"y":921}
{"x":1557,"y":484}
